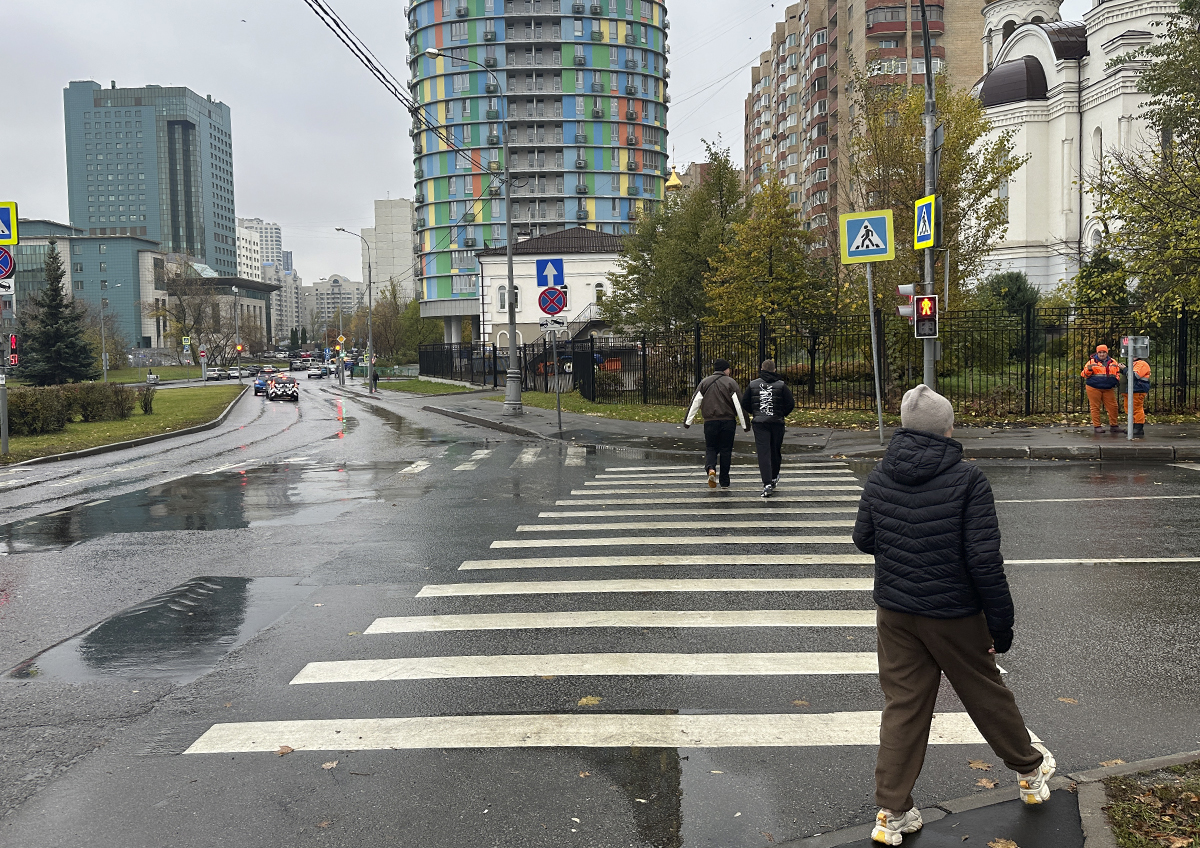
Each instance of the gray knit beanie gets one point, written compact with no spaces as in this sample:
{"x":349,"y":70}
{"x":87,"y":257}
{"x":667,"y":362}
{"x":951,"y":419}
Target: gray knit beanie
{"x":924,"y":409}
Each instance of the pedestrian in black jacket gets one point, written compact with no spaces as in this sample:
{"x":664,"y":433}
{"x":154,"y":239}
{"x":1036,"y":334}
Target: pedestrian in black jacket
{"x":943,"y":606}
{"x":718,"y":401}
{"x":770,"y":401}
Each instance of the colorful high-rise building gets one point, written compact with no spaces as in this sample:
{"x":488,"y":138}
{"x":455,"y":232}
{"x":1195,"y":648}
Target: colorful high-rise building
{"x":582,"y":90}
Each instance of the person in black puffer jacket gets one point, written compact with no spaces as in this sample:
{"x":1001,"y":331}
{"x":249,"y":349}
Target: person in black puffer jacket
{"x":943,"y":605}
{"x":770,"y":401}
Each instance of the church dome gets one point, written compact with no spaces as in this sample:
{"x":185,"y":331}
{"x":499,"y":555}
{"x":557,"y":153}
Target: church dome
{"x":1015,"y":81}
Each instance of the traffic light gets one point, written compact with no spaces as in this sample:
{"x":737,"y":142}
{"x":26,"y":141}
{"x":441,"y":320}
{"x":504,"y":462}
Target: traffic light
{"x":12,"y":350}
{"x":239,"y":348}
{"x":338,"y":348}
{"x":906,"y":310}
{"x":925,"y":325}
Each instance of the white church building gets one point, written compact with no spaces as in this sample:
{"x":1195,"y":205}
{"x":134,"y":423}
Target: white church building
{"x":1050,"y":82}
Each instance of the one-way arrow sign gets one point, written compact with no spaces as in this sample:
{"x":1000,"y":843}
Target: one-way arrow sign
{"x":550,"y":272}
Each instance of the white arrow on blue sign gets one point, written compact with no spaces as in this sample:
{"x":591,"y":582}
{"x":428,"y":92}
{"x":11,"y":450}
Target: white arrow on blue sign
{"x":550,"y":272}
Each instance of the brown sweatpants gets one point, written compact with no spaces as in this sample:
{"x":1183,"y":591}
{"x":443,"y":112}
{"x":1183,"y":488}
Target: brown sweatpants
{"x":913,"y":653}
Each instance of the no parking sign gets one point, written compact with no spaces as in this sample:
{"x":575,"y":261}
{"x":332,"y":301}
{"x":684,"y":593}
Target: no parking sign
{"x":553,"y":300}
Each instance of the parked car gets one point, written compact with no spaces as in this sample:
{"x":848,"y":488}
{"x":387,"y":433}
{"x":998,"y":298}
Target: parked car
{"x":296,"y":365}
{"x":260,"y":383}
{"x":236,"y":374}
{"x":280,"y":387}
{"x":316,"y":371}
{"x":217,"y":374}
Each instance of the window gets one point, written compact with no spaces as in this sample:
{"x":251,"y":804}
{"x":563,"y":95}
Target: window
{"x":463,"y":283}
{"x":578,"y":28}
{"x":462,"y":82}
{"x":933,"y":13}
{"x":502,"y":299}
{"x":888,"y":44}
{"x":876,"y":16}
{"x":77,"y":285}
{"x":820,"y":61}
{"x":820,"y":37}
{"x":104,"y":248}
{"x":458,"y":31}
{"x":77,"y":249}
{"x":103,"y":267}
{"x":77,"y":267}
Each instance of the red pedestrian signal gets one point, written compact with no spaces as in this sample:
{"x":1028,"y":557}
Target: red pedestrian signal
{"x":12,"y":350}
{"x":926,"y":324}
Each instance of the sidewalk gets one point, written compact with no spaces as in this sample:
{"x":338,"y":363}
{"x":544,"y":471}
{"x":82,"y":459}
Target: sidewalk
{"x":1164,"y":442}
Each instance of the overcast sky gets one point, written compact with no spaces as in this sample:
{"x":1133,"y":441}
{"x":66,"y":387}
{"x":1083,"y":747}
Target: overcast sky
{"x":315,"y":137}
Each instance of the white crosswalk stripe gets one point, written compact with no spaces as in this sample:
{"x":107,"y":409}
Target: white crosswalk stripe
{"x":416,"y":468}
{"x":796,"y":566}
{"x":527,"y":458}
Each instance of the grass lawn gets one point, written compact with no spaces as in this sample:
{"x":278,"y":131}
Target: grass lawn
{"x":422,"y":387}
{"x":1158,"y":808}
{"x":173,"y":410}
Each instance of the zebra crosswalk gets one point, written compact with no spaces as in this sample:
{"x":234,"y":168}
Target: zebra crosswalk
{"x":713,"y":563}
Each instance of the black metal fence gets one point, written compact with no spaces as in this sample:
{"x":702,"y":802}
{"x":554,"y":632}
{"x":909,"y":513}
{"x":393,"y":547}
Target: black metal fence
{"x":992,"y":363}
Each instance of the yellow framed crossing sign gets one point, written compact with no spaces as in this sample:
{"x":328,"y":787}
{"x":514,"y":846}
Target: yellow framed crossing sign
{"x":867,"y":237}
{"x":8,"y":222}
{"x":924,"y":222}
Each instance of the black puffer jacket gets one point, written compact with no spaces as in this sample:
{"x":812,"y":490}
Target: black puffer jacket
{"x":768,"y":399}
{"x":930,"y":520}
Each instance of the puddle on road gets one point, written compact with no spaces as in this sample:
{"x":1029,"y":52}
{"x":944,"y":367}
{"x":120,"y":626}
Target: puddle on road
{"x":267,"y":495}
{"x":179,"y":635}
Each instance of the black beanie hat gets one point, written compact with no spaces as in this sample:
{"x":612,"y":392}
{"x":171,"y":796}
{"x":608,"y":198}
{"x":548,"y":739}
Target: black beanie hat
{"x":720,"y":364}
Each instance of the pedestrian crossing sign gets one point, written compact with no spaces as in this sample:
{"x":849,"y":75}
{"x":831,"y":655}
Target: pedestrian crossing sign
{"x":8,"y":222}
{"x":867,"y":237}
{"x":923,"y":222}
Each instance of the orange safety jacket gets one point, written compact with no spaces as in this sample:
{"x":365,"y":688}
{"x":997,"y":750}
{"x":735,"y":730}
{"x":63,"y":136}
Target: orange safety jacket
{"x":1104,"y":374}
{"x":1141,"y":376}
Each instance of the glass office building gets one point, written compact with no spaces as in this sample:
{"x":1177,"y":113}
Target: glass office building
{"x":153,"y":162}
{"x":582,"y":90}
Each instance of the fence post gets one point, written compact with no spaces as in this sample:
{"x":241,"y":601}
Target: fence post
{"x":762,"y":338}
{"x":699,"y":365}
{"x":1028,"y":359}
{"x":885,"y":371}
{"x":592,"y":368}
{"x":1181,"y":361}
{"x":645,"y":375}
{"x":812,"y":363}
{"x":495,"y":382}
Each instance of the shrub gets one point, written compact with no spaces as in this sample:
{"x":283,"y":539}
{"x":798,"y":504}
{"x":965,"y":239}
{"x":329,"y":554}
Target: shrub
{"x":122,"y":400}
{"x":91,"y":401}
{"x":36,"y":411}
{"x":145,"y":397}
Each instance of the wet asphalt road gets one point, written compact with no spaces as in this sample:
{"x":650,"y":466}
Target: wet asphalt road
{"x":336,"y":498}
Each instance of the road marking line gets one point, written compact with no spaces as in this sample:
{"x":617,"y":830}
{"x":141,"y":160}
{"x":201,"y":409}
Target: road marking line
{"x":700,"y":489}
{"x":1090,"y":499}
{"x":526,"y":458}
{"x":648,"y":479}
{"x":640,"y":541}
{"x":586,"y":665}
{"x":1100,"y":561}
{"x":702,"y":584}
{"x":576,"y":456}
{"x":668,"y":560}
{"x":416,"y":468}
{"x":786,"y":730}
{"x":770,"y":524}
{"x":297,"y":458}
{"x":781,"y":498}
{"x":617,"y":484}
{"x":1187,"y":466}
{"x":225,"y":468}
{"x":60,"y":512}
{"x":74,"y":480}
{"x":97,"y":503}
{"x":785,"y":469}
{"x":621,"y":618}
{"x":700,"y":512}
{"x":473,"y":462}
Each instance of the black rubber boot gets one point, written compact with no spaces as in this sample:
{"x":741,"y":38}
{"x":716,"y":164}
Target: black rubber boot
{"x":1139,"y":431}
{"x":1116,"y":429}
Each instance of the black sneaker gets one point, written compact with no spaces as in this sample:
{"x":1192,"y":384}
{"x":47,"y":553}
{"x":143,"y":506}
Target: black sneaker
{"x":775,"y":482}
{"x":768,"y":490}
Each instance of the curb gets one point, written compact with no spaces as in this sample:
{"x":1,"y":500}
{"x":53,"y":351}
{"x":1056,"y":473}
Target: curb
{"x":484,"y":422}
{"x":133,"y":443}
{"x":1088,"y":786}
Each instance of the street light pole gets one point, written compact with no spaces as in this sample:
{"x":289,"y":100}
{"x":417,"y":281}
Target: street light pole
{"x":930,"y":117}
{"x":237,"y":334}
{"x":104,"y":336}
{"x":512,"y":388}
{"x":370,"y":339}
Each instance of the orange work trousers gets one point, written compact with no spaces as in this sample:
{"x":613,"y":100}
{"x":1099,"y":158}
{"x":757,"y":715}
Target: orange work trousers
{"x":1108,"y":397}
{"x":1139,"y":407}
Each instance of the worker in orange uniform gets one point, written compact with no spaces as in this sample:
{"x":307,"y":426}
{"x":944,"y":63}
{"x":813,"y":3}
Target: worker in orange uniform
{"x":1141,"y":388}
{"x":1102,"y":374}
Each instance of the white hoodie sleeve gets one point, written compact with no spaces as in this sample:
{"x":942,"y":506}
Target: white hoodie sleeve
{"x":737,"y":407}
{"x":694,"y":408}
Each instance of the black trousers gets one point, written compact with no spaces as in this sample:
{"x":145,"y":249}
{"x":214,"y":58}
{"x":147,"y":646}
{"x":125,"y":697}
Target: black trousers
{"x":718,"y":444}
{"x":768,"y":441}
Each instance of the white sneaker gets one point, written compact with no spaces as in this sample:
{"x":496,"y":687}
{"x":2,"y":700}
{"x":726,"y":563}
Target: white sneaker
{"x":1035,"y":786}
{"x":891,"y":827}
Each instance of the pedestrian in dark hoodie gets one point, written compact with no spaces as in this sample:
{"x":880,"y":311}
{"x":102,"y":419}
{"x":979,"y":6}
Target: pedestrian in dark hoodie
{"x":718,"y":401}
{"x":942,"y":606}
{"x":770,"y":401}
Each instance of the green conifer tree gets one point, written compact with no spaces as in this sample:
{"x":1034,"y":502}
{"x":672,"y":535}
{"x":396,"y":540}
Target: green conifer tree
{"x":56,"y":348}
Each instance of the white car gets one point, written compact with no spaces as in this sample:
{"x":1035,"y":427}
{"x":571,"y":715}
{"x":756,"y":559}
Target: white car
{"x":235,"y":374}
{"x":316,"y":371}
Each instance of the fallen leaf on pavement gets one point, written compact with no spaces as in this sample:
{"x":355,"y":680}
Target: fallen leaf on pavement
{"x":590,"y":700}
{"x":585,"y":774}
{"x":228,"y":704}
{"x":735,"y":815}
{"x":641,"y":800}
{"x":986,"y":783}
{"x":716,"y":772}
{"x":547,"y":677}
{"x":799,"y":703}
{"x":1117,"y":762}
{"x":284,"y":749}
{"x":979,"y":764}
{"x":1068,"y":700}
{"x":353,"y":633}
{"x":575,"y":820}
{"x":1003,"y":843}
{"x":324,"y":824}
{"x":331,"y":764}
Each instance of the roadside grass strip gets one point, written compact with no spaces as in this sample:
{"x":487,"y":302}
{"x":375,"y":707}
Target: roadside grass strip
{"x":589,"y":665}
{"x":767,"y":730}
{"x":698,"y":584}
{"x":664,"y":560}
{"x":623,"y":618}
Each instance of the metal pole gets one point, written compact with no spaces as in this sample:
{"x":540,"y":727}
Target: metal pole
{"x":557,"y":381}
{"x":930,"y":377}
{"x":237,"y":333}
{"x":103,"y":342}
{"x":370,"y":339}
{"x":340,"y":361}
{"x":3,"y":410}
{"x":946,"y":283}
{"x":512,"y":391}
{"x":874,"y":347}
{"x":1129,"y":393}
